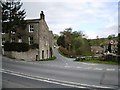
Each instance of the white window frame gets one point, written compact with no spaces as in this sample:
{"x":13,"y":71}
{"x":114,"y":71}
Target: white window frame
{"x":12,"y":32}
{"x":20,"y":40}
{"x":30,"y":40}
{"x":31,"y":28}
{"x":3,"y":41}
{"x":3,"y":33}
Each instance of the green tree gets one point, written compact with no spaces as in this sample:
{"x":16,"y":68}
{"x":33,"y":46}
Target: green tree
{"x":56,"y":36}
{"x":85,"y":48}
{"x":12,"y":16}
{"x":110,"y":37}
{"x":73,"y":42}
{"x":67,"y":33}
{"x":77,"y":43}
{"x":61,"y":41}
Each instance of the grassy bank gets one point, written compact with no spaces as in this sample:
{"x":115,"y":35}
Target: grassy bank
{"x":100,"y":62}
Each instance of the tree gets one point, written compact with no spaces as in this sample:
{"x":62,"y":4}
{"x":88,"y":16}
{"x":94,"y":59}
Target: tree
{"x":73,"y":42}
{"x":12,"y":16}
{"x":110,"y":37}
{"x":85,"y":49}
{"x":76,"y":34}
{"x":68,"y":38}
{"x":68,"y":29}
{"x":77,"y":43}
{"x":61,"y":41}
{"x":56,"y":36}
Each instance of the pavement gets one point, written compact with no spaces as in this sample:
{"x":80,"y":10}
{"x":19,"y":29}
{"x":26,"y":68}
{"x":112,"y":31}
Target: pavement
{"x":60,"y":73}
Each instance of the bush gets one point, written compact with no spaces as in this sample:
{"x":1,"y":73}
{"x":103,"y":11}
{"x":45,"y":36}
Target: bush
{"x":19,"y":47}
{"x":52,"y":58}
{"x":88,"y":54}
{"x":64,"y":51}
{"x":34,"y":46}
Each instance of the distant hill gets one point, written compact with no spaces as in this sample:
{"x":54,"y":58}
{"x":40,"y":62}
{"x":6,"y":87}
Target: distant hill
{"x":101,"y":41}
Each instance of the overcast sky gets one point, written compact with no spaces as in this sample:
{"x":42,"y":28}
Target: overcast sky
{"x":92,"y":17}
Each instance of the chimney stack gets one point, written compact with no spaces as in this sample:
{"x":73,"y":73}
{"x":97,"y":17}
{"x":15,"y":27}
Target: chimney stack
{"x":42,"y":16}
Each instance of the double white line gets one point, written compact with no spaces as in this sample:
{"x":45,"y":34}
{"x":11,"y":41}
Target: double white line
{"x":54,"y":81}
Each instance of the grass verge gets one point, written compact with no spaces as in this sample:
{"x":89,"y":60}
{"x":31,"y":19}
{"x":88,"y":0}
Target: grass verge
{"x":100,"y":62}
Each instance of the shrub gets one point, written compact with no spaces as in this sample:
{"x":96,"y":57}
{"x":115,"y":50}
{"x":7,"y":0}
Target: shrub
{"x":64,"y":51}
{"x":52,"y":58}
{"x":34,"y":46}
{"x":88,"y":54}
{"x":19,"y":47}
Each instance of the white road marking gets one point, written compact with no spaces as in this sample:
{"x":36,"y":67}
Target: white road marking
{"x":110,"y":69}
{"x":60,"y":82}
{"x":79,"y":67}
{"x":43,"y":79}
{"x":89,"y":63}
{"x":66,"y":63}
{"x":98,"y":69}
{"x":88,"y":68}
{"x":67,"y":66}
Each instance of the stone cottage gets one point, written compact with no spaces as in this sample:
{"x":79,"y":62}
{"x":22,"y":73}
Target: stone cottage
{"x":36,"y":32}
{"x":97,"y":49}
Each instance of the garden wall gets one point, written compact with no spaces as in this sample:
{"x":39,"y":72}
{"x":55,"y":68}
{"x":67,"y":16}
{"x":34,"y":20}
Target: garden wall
{"x":29,"y":55}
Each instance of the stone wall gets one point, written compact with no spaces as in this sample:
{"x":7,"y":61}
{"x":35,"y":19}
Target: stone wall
{"x":29,"y":55}
{"x":44,"y":44}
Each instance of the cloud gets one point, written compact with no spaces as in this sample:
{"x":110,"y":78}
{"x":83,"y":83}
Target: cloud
{"x":91,"y":16}
{"x":82,"y":1}
{"x":108,"y":30}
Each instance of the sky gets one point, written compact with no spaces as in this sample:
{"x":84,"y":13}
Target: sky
{"x":92,"y":17}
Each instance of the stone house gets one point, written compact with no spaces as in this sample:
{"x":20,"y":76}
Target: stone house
{"x":36,"y":32}
{"x":97,"y":49}
{"x":114,"y":46}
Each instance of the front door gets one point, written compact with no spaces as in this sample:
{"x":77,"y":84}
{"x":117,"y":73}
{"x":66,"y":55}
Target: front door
{"x":42,"y":54}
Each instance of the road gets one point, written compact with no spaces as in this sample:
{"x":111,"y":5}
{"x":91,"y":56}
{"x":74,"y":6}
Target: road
{"x":62,"y":72}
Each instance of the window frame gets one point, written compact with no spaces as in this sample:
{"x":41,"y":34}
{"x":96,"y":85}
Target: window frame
{"x":31,"y":40}
{"x":19,"y":39}
{"x":3,"y":41}
{"x":31,"y":28}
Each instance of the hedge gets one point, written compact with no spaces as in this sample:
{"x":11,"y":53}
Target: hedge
{"x":19,"y":47}
{"x":34,"y":46}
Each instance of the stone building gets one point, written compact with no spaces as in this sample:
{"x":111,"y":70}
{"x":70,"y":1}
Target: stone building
{"x":97,"y":49}
{"x":113,"y":46}
{"x":36,"y":32}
